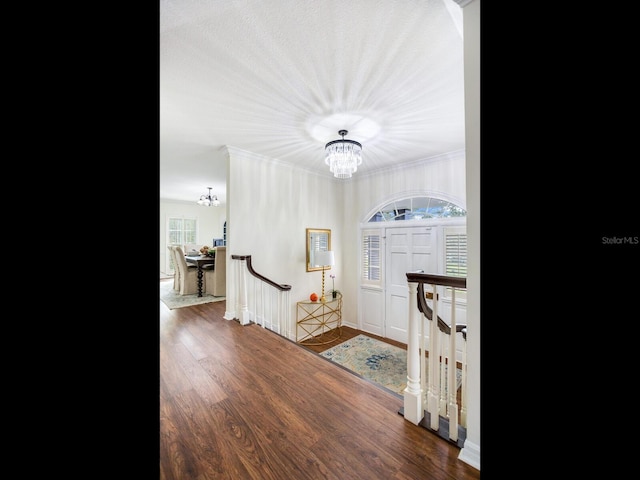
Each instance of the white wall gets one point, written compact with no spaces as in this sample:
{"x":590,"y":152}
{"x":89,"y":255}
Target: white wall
{"x":270,"y":207}
{"x":210,"y":222}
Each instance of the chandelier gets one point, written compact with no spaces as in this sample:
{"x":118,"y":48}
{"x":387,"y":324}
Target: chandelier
{"x":208,"y":200}
{"x":343,"y":156}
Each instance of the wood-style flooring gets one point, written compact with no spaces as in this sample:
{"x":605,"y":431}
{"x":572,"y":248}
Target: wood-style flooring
{"x":347,"y":333}
{"x":241,"y":402}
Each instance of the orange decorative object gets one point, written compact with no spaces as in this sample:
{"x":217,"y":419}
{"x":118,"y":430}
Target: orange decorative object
{"x":313,"y":297}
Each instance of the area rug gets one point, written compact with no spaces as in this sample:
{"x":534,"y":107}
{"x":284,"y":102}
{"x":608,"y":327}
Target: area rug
{"x":376,"y":361}
{"x":174,"y":300}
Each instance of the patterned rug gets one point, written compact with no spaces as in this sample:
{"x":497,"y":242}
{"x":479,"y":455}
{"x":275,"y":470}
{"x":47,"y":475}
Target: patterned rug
{"x":174,"y":300}
{"x":374,"y":360}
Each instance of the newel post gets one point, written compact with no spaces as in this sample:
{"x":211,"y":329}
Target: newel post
{"x":244,"y":317}
{"x":413,"y":410}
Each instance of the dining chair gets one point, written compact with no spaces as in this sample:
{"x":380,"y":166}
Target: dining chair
{"x":216,"y":277}
{"x":188,"y":281}
{"x":191,"y":247}
{"x":176,"y":271}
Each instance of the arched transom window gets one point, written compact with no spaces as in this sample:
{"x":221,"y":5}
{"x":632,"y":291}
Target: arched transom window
{"x":417,"y":208}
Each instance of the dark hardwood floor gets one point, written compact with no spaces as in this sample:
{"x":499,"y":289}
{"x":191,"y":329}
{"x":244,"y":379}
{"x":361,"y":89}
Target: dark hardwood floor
{"x":241,"y":402}
{"x":347,"y":333}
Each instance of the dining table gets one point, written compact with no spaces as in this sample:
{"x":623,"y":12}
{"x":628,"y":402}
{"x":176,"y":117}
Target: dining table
{"x":200,"y":261}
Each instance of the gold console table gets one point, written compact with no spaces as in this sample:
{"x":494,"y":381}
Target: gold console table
{"x":318,"y":323}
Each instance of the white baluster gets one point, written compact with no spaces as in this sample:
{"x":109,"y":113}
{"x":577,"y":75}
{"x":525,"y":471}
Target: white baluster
{"x":434,"y":357}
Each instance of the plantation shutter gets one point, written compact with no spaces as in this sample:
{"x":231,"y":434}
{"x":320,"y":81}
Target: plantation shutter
{"x":455,"y":244}
{"x":371,"y":257}
{"x":456,"y":254}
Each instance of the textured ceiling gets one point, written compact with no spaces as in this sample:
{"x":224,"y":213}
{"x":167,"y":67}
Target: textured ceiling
{"x":279,"y":78}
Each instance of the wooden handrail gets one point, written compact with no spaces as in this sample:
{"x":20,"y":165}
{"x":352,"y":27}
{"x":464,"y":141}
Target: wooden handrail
{"x":247,"y":258}
{"x":444,"y":280}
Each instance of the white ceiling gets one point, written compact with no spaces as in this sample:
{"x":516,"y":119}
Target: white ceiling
{"x":280,"y":77}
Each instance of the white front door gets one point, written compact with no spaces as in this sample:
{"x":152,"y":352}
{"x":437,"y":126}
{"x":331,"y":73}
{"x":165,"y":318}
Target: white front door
{"x":407,"y":250}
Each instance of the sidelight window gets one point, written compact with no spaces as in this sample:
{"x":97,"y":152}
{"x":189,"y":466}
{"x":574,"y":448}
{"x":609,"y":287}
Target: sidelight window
{"x":371,"y":257}
{"x":455,"y":254}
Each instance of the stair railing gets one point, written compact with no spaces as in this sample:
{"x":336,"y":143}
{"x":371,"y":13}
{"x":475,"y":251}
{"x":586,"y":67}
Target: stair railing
{"x":431,"y":394}
{"x":262,"y":301}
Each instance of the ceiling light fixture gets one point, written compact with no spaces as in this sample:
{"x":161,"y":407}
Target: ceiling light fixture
{"x":343,"y":156}
{"x":208,"y":200}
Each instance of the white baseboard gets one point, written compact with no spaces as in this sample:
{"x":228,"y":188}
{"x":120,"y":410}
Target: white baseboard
{"x":470,"y":454}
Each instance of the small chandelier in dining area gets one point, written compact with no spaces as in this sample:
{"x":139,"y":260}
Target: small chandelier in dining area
{"x":208,"y":200}
{"x":343,"y":156}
